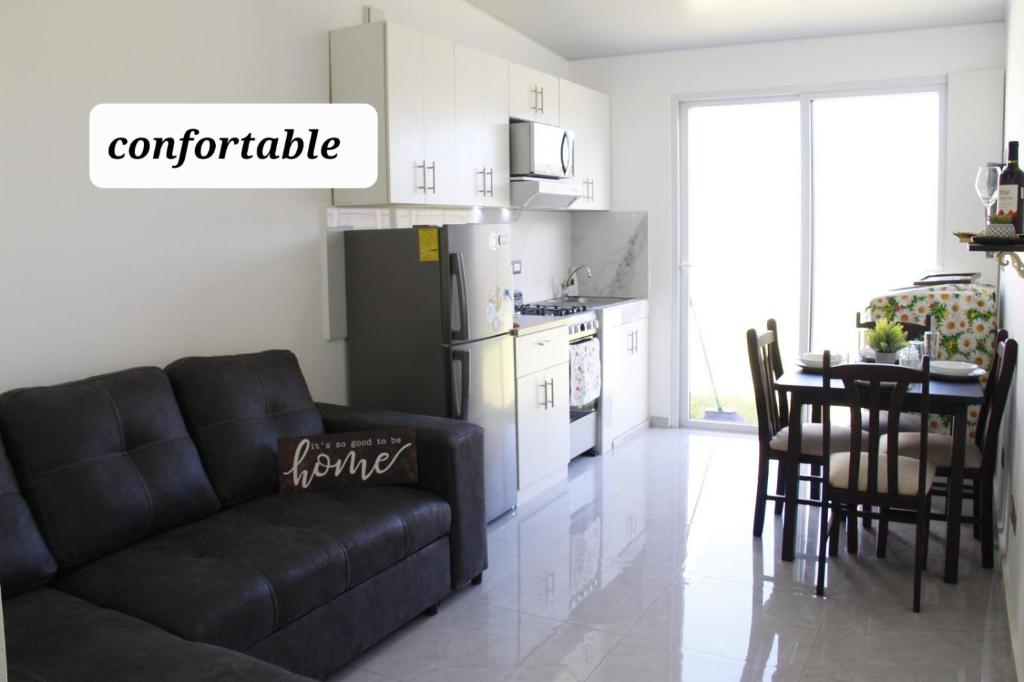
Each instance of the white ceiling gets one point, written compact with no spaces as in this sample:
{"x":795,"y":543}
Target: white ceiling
{"x":578,"y":29}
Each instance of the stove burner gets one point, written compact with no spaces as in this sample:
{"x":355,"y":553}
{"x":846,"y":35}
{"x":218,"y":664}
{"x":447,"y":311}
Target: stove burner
{"x":551,"y":310}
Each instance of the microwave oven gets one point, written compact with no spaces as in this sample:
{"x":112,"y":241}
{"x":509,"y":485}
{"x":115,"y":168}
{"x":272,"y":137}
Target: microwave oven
{"x":538,"y":150}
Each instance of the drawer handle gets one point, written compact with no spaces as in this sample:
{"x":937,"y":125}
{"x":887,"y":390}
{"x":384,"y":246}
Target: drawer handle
{"x":542,"y":343}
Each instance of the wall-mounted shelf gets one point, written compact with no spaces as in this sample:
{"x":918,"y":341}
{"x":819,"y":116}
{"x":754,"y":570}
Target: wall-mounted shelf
{"x":1005,"y":255}
{"x":996,"y":249}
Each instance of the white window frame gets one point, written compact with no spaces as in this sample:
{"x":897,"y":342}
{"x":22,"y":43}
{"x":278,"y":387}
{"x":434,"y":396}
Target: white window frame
{"x":679,"y":390}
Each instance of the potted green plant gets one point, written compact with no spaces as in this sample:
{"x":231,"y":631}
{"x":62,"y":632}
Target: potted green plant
{"x":1000,"y":225}
{"x":887,"y":339}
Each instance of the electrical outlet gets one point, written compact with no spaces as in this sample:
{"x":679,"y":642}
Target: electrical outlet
{"x":517,"y":267}
{"x":1013,"y":514}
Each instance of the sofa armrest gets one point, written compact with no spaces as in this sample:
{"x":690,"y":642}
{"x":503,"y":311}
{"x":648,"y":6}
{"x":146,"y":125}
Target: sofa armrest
{"x":451,"y":465}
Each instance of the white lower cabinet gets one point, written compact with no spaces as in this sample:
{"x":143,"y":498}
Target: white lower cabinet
{"x":542,"y":410}
{"x":624,"y":365}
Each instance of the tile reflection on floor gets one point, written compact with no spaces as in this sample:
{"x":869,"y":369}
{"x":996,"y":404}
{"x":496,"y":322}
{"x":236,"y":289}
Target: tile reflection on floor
{"x":642,"y":567}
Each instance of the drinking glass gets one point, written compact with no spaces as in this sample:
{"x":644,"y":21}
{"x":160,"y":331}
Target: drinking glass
{"x":911,"y":355}
{"x":986,"y":184}
{"x":931,"y":345}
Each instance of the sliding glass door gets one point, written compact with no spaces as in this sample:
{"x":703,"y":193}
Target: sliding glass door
{"x":798,"y":209}
{"x":743,"y":203}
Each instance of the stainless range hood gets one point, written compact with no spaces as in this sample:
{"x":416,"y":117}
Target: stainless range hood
{"x":543,"y":193}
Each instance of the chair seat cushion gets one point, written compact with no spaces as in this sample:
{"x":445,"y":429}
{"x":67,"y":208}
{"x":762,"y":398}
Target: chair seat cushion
{"x":908,"y":422}
{"x":54,"y":637}
{"x":244,"y":573}
{"x":811,"y":439}
{"x":906,"y":473}
{"x":940,"y":449}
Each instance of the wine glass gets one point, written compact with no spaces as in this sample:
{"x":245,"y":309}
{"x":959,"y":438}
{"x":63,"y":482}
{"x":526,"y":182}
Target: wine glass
{"x":986,"y":184}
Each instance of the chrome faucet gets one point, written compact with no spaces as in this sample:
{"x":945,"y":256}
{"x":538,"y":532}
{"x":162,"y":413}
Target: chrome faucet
{"x":570,"y":279}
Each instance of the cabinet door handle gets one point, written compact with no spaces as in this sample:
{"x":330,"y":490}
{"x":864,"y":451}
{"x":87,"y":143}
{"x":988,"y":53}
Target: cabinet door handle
{"x":542,"y":100}
{"x":423,"y":167}
{"x":545,"y":403}
{"x":591,"y":189}
{"x":490,"y":174}
{"x":483,"y":176}
{"x":536,"y":94}
{"x":433,"y":177}
{"x":552,"y":382}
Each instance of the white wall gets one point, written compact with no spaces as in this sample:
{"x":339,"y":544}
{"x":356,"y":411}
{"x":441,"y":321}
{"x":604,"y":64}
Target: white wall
{"x":1012,"y":474}
{"x":542,"y":241}
{"x":642,"y":88}
{"x":95,"y":280}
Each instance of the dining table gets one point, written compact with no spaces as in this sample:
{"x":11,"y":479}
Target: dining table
{"x":946,"y":397}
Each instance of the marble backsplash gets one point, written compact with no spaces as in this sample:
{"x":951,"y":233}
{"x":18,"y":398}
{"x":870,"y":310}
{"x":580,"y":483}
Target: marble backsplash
{"x":614,"y":245}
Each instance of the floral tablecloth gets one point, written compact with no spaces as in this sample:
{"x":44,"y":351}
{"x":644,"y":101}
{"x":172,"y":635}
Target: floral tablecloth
{"x":963,"y":315}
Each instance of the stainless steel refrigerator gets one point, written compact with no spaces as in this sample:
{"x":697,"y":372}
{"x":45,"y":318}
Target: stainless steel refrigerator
{"x":430,"y":313}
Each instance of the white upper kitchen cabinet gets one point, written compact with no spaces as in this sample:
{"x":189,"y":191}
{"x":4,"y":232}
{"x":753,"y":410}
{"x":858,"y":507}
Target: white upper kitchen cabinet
{"x":532,"y":95}
{"x":438,"y":118}
{"x":587,"y":113}
{"x":481,"y":128}
{"x":409,"y":77}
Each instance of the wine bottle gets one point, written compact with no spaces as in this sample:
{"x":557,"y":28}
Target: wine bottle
{"x":1010,"y":200}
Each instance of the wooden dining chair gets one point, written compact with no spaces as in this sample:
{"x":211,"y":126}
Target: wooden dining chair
{"x":914,"y":330}
{"x":981,"y":454}
{"x":908,"y":422}
{"x":773,"y":433}
{"x":899,"y":488}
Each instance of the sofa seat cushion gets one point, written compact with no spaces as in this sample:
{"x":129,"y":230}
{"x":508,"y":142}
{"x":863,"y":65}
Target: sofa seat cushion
{"x":812,"y":437}
{"x":104,"y":462}
{"x":54,"y":637}
{"x":240,"y":575}
{"x":940,"y":449}
{"x":25,"y":560}
{"x":236,"y":407}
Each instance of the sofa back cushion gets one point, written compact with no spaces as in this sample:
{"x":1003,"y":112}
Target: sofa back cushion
{"x":104,"y":462}
{"x":25,"y":560}
{"x":236,"y":407}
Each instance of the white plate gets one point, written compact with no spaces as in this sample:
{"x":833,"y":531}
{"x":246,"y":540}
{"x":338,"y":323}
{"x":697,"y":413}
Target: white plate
{"x":817,"y":360}
{"x":952,"y":368}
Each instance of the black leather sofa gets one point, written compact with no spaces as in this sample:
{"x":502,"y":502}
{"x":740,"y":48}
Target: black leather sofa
{"x":142,"y":534}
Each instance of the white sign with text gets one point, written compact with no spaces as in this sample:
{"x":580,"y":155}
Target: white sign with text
{"x":233,"y":145}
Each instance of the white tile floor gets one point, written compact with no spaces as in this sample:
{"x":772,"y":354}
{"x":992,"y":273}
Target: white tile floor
{"x":643,"y":567}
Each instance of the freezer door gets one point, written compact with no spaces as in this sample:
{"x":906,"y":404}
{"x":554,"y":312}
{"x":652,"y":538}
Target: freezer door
{"x":477,"y":271}
{"x":482,"y":391}
{"x":395,"y":321}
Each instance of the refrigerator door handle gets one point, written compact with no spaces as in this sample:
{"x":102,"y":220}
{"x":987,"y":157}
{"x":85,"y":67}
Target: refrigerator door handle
{"x":458,"y":270}
{"x":459,"y":403}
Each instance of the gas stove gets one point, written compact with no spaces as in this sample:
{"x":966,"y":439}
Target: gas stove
{"x":583,"y":324}
{"x":550,"y":310}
